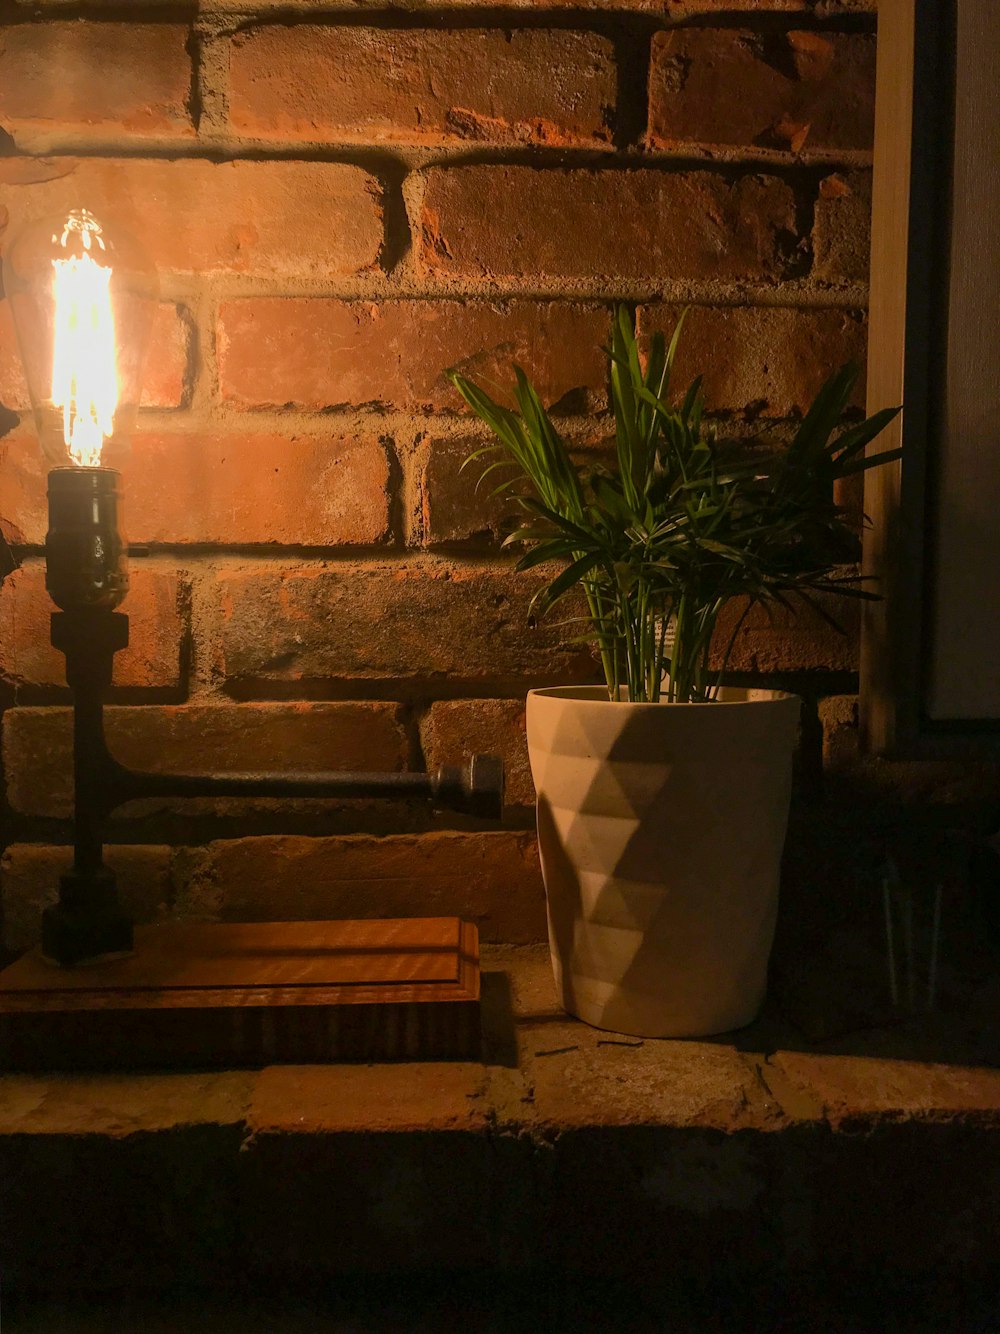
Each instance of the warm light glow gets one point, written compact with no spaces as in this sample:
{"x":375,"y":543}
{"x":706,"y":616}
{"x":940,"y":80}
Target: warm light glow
{"x":84,"y":362}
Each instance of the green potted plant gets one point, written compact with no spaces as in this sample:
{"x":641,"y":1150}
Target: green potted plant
{"x":662,"y":796}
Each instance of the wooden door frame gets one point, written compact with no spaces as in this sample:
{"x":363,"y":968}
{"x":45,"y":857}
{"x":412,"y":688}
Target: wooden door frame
{"x":911,"y":220}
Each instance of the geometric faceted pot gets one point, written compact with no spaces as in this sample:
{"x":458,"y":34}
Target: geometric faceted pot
{"x":661,"y":828}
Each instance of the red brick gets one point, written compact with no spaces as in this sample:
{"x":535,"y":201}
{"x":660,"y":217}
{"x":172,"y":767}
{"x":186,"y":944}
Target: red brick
{"x":448,"y":500}
{"x":75,"y":78}
{"x":492,"y":879}
{"x":156,"y":629}
{"x":839,"y":716}
{"x":732,"y":87}
{"x":192,"y":738}
{"x":166,"y":369}
{"x":165,"y":374}
{"x":790,"y":642}
{"x":366,"y":1100}
{"x":219,"y":488}
{"x":481,"y":726}
{"x":23,"y":473}
{"x":842,"y":228}
{"x":104,"y":1103}
{"x":916,"y":783}
{"x":318,"y":353}
{"x":418,"y":85}
{"x":767,"y":360}
{"x":526,"y":225}
{"x":576,"y":1083}
{"x":296,"y":489}
{"x":667,"y":8}
{"x":856,"y":1087}
{"x":279,"y":219}
{"x":13,"y":387}
{"x":405,"y":621}
{"x":29,"y":882}
{"x":819,"y":8}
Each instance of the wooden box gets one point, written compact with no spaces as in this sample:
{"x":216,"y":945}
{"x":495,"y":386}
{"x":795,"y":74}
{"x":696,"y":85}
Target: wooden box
{"x":248,"y":994}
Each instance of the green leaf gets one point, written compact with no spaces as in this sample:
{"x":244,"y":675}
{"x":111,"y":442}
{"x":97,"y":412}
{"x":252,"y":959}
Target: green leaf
{"x":870,"y":461}
{"x":677,"y":529}
{"x":563,"y":582}
{"x":857,"y":437}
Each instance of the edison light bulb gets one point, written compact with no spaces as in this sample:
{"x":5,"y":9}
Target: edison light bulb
{"x":82,"y":296}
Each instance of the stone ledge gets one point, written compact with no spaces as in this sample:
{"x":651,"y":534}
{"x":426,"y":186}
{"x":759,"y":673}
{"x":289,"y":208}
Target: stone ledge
{"x":566,"y":1146}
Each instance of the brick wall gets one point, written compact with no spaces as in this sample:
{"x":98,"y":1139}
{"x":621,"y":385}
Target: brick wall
{"x":343,"y":201}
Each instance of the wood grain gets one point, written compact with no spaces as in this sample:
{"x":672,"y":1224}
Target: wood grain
{"x":223,"y":994}
{"x":880,"y":646}
{"x":963,"y":678}
{"x":929,"y":650}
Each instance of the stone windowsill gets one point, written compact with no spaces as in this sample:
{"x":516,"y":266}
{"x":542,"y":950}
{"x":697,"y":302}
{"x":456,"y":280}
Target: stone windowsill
{"x":566,"y":1142}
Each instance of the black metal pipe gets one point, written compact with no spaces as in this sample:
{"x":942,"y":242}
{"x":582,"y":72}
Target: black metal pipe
{"x":88,"y":922}
{"x":475,"y":788}
{"x":90,"y":638}
{"x":88,"y":736}
{"x":87,"y":577}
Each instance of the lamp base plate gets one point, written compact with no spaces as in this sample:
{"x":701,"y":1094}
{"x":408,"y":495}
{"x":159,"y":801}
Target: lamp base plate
{"x":219,"y":995}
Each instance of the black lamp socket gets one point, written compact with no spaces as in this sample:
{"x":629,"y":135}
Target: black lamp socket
{"x":85,"y":547}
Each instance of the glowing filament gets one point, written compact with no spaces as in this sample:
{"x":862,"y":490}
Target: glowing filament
{"x":84,"y":369}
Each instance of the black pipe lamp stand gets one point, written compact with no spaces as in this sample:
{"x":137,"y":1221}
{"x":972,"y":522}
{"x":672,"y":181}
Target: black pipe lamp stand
{"x":87,"y":577}
{"x":178,"y":993}
{"x":219,"y":993}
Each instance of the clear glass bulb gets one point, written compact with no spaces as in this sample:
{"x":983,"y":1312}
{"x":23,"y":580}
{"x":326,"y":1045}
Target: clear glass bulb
{"x":82,"y":296}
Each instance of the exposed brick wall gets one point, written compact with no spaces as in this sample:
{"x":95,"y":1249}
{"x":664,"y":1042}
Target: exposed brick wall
{"x":342,"y":203}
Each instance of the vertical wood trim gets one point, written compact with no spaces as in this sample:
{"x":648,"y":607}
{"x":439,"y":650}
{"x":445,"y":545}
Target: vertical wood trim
{"x":880,"y":639}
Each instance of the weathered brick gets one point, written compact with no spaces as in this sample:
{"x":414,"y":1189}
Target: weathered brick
{"x":165,"y":377}
{"x":13,"y":389}
{"x":416,"y":85}
{"x":23,"y":473}
{"x":103,"y":1103}
{"x":277,"y":219}
{"x":777,"y":640}
{"x":842,"y":228}
{"x":301,"y":490}
{"x":914,"y":783}
{"x":192,"y":738}
{"x":692,"y":8}
{"x":156,"y":630}
{"x":29,"y":882}
{"x":838,"y":715}
{"x":668,"y":8}
{"x":693,"y":1084}
{"x":380,"y":620}
{"x":295,"y":489}
{"x":317,"y":353}
{"x":856,"y":1089}
{"x":419,"y":1185}
{"x":529,"y":225}
{"x":77,"y":78}
{"x":492,"y":879}
{"x":368,"y":1099}
{"x":481,"y":726}
{"x":449,"y":501}
{"x":737,"y":88}
{"x":768,"y":360}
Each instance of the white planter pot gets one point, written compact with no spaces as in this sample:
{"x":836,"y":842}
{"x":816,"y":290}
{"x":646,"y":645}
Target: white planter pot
{"x":661,"y":829}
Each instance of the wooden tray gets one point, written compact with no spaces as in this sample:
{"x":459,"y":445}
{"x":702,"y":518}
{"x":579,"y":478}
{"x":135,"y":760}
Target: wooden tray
{"x":252,"y":993}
